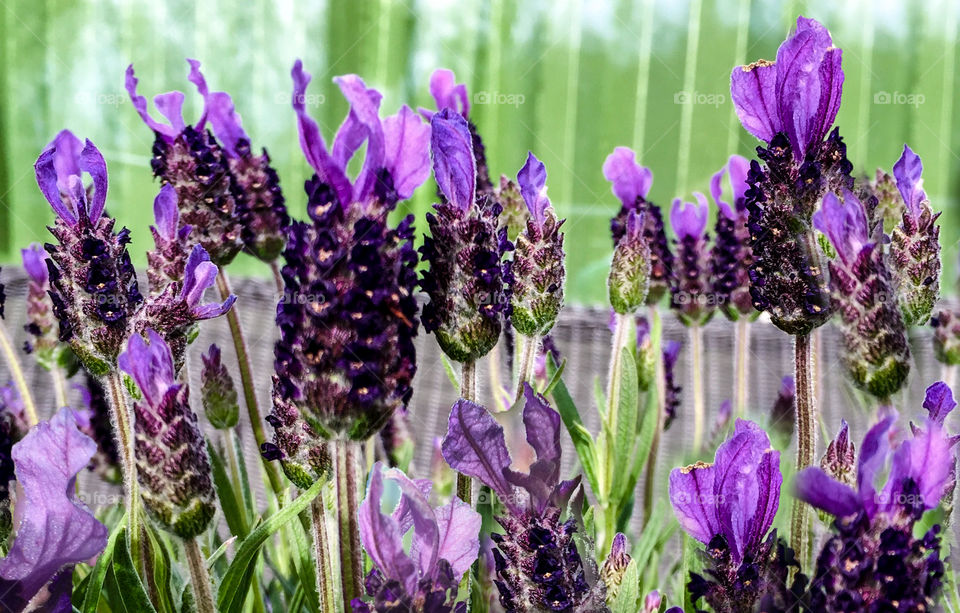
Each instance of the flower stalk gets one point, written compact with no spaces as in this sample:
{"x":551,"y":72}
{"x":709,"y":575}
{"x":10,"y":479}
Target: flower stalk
{"x":199,"y":577}
{"x":742,"y":390}
{"x":696,"y":373}
{"x":528,"y":356}
{"x":468,"y":391}
{"x":660,"y":389}
{"x":326,"y":583}
{"x":123,"y":432}
{"x":806,"y":428}
{"x":351,"y":555}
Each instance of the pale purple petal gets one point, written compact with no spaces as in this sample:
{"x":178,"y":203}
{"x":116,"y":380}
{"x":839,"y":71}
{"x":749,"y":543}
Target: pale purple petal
{"x":406,"y":151}
{"x":908,"y":173}
{"x":198,"y":275}
{"x":694,"y":504}
{"x":447,"y":93}
{"x":140,"y":105}
{"x":166,"y":212}
{"x":736,"y":484}
{"x":47,"y":181}
{"x":426,"y":536}
{"x":738,"y":166}
{"x":67,"y":161}
{"x":689,"y":220}
{"x":532,"y":180}
{"x":716,"y":192}
{"x":939,"y":402}
{"x":927,"y":459}
{"x":150,"y":365}
{"x":752,"y":90}
{"x":459,"y":527}
{"x":542,"y":426}
{"x":475,"y":446}
{"x":454,"y":166}
{"x":196,"y":77}
{"x":381,"y":537}
{"x":844,"y":223}
{"x":769,"y":479}
{"x":873,"y":457}
{"x":629,"y":179}
{"x":225,"y":121}
{"x":56,"y":528}
{"x":91,"y":161}
{"x":817,"y":489}
{"x":363,"y":119}
{"x":170,"y":105}
{"x":35,"y":263}
{"x":402,"y":514}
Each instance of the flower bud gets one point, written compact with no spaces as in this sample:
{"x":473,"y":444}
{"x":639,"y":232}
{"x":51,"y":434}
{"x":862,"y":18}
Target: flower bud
{"x":629,"y":280}
{"x":946,"y":337}
{"x":218,"y":392}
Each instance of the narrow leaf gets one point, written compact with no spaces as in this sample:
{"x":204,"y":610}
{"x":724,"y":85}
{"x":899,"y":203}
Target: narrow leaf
{"x":582,"y":441}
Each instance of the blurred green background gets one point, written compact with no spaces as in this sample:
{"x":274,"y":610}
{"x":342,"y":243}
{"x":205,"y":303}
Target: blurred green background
{"x":569,"y":80}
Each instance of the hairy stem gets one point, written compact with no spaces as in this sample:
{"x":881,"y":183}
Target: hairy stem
{"x":351,"y":572}
{"x":806,"y":442}
{"x":326,"y":582}
{"x":19,"y":380}
{"x":468,"y":391}
{"x":527,"y":358}
{"x":123,"y":433}
{"x":246,"y":380}
{"x":696,"y":373}
{"x":59,"y":387}
{"x":660,"y":387}
{"x":199,"y":577}
{"x":277,"y":277}
{"x":743,"y":366}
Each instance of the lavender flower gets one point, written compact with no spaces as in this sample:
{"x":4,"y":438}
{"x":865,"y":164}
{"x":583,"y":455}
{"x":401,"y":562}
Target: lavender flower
{"x":448,"y":94}
{"x":515,"y":214}
{"x":345,"y":358}
{"x":729,"y":506}
{"x":876,"y":354}
{"x":56,"y":530}
{"x":191,"y":159}
{"x":464,"y":277}
{"x":790,"y":104}
{"x":218,"y":392}
{"x":629,"y":281}
{"x":839,"y":463}
{"x":690,"y":295}
{"x":915,"y":244}
{"x":731,"y":255}
{"x":41,"y":322}
{"x":874,"y":560}
{"x":631,"y":183}
{"x":537,"y":271}
{"x":93,"y":284}
{"x":671,"y":401}
{"x":946,"y":336}
{"x":538,"y":565}
{"x":445,"y":543}
{"x":614,"y":568}
{"x":167,"y":260}
{"x":172,"y":464}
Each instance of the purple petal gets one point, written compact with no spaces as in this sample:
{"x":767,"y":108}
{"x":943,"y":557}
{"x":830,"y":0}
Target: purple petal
{"x":475,"y":446}
{"x":150,"y":365}
{"x":693,"y":500}
{"x":226,"y":122}
{"x":738,"y":167}
{"x":140,"y":105}
{"x":166,"y":212}
{"x":196,"y":77}
{"x":716,"y":192}
{"x":426,"y":536}
{"x":213,"y":309}
{"x":817,"y":489}
{"x":939,"y":402}
{"x":736,"y":484}
{"x":402,"y":514}
{"x":542,"y":426}
{"x":47,"y":181}
{"x":927,"y":459}
{"x":199,"y":274}
{"x":56,"y":528}
{"x":362,"y":123}
{"x":844,"y":223}
{"x":453,"y":163}
{"x":769,"y":480}
{"x":630,"y":180}
{"x":35,"y":263}
{"x":690,"y":220}
{"x":459,"y":527}
{"x":170,"y":105}
{"x":381,"y":536}
{"x":908,"y":173}
{"x":92,"y":162}
{"x":406,"y":151}
{"x":532,"y":180}
{"x":67,"y":160}
{"x":873,"y":457}
{"x":447,"y":93}
{"x":311,"y":142}
{"x":752,"y":89}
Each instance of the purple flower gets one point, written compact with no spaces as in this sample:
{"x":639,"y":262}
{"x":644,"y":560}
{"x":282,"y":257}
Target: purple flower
{"x":946,"y":336}
{"x":839,"y":463}
{"x":729,"y":506}
{"x":41,"y":322}
{"x":630,"y":183}
{"x":444,"y":545}
{"x":93,"y":285}
{"x":915,"y":244}
{"x":798,"y":95}
{"x":56,"y":530}
{"x":218,"y":392}
{"x":536,"y":558}
{"x":690,"y":293}
{"x":875,"y":349}
{"x":165,"y":263}
{"x":731,"y":255}
{"x":171,"y":455}
{"x":537,"y":272}
{"x":630,"y":268}
{"x":189,"y":158}
{"x":464,"y":279}
{"x":671,"y":401}
{"x":615,"y":567}
{"x":874,"y":560}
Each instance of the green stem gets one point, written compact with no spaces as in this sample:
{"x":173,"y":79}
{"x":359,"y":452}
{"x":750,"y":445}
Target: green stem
{"x":743,"y":366}
{"x":59,"y":387}
{"x":468,"y":391}
{"x":650,"y":480}
{"x":326,"y":583}
{"x":277,"y":277}
{"x":806,"y":443}
{"x":620,"y":331}
{"x":496,"y":381}
{"x":20,"y":381}
{"x":527,"y":359}
{"x":351,"y":571}
{"x":123,"y":432}
{"x":696,"y":372}
{"x":246,"y":380}
{"x":199,"y":577}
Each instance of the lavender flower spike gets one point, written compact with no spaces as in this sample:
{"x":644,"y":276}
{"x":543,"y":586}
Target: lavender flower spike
{"x":631,"y":183}
{"x":464,"y":278}
{"x":445,"y":543}
{"x":537,"y":271}
{"x":729,"y":506}
{"x":731,"y":256}
{"x":915,"y":244}
{"x":875,"y":349}
{"x":41,"y":321}
{"x":93,"y":285}
{"x":538,"y":565}
{"x":166,"y":261}
{"x":690,"y":295}
{"x":56,"y":529}
{"x":172,"y":464}
{"x":345,"y":358}
{"x":629,"y":281}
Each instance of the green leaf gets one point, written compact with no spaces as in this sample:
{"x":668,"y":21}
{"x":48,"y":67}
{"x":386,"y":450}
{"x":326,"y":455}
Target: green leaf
{"x":234,"y":586}
{"x":245,"y":488}
{"x":629,"y":593}
{"x":130,"y":596}
{"x":600,"y":398}
{"x":306,"y":568}
{"x":554,"y":373}
{"x":451,"y":371}
{"x":231,"y":502}
{"x":220,"y":552}
{"x":644,"y":441}
{"x":91,"y":598}
{"x":582,"y":441}
{"x":162,"y":576}
{"x":624,"y":421}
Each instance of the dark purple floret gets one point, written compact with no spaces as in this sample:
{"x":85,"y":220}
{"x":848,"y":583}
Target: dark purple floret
{"x":691,"y":295}
{"x":731,"y":255}
{"x":263,"y":213}
{"x":671,"y":402}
